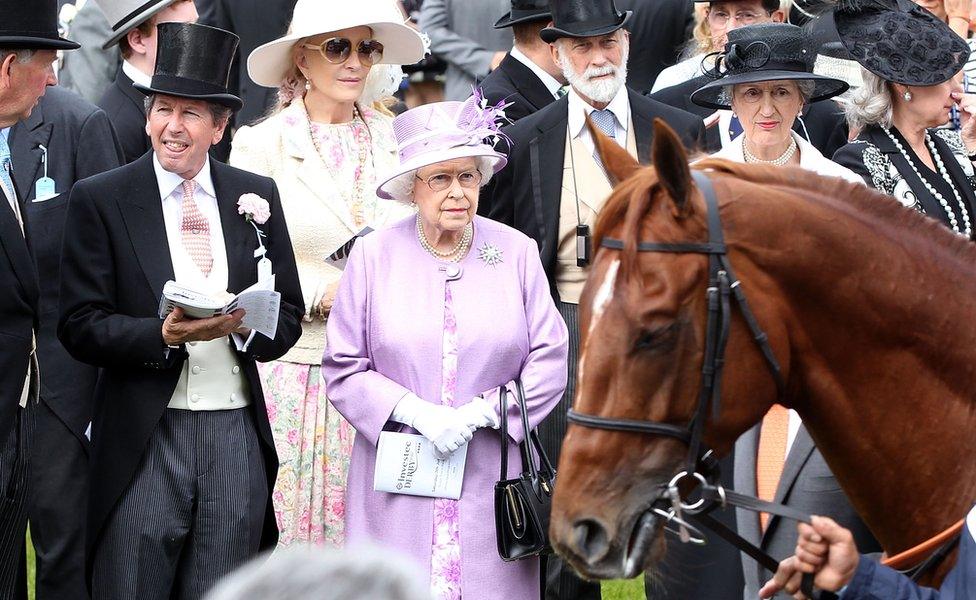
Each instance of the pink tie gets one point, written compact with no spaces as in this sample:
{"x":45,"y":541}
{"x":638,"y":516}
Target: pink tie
{"x":195,"y":230}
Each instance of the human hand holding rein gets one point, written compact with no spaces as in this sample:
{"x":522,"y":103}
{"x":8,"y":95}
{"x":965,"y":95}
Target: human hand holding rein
{"x":824,"y":549}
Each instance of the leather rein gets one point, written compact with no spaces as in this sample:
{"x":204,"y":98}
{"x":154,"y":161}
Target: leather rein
{"x":701,"y":465}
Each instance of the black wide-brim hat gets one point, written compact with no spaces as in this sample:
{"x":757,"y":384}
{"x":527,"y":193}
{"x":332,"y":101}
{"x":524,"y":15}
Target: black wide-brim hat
{"x":194,"y":61}
{"x":899,"y":41}
{"x":764,"y":52}
{"x":583,"y":18}
{"x":525,"y":11}
{"x":31,"y":25}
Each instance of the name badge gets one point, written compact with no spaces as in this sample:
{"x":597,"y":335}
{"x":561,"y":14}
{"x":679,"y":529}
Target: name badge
{"x":44,"y":189}
{"x":264,"y":269}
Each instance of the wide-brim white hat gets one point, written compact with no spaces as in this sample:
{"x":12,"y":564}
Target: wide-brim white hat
{"x":126,"y":15}
{"x":268,"y":65}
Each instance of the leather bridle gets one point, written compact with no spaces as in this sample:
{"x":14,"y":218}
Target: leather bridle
{"x":723,"y":287}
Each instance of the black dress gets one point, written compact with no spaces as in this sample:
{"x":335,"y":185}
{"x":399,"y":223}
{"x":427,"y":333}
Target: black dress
{"x":885,"y":168}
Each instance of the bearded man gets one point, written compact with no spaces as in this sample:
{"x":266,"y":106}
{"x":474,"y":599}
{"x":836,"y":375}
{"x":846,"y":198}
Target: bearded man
{"x":554,"y":185}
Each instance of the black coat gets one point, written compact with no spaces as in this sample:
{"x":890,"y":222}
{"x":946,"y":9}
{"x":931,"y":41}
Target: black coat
{"x":256,"y":22}
{"x":826,"y":127}
{"x":514,"y":82}
{"x":115,"y":262}
{"x":125,"y":107}
{"x":658,"y":31}
{"x":80,"y":143}
{"x":527,"y":192}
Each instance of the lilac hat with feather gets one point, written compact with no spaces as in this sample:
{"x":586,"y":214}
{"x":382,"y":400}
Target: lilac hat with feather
{"x":444,"y":131}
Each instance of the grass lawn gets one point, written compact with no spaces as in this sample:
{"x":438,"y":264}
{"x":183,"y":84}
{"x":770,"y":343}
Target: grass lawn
{"x":632,"y":589}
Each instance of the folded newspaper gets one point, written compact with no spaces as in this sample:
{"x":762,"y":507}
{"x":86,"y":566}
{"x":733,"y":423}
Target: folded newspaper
{"x":260,"y":303}
{"x":406,"y":464}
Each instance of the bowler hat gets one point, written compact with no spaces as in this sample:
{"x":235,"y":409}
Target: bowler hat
{"x":525,"y":11}
{"x":193,"y":61}
{"x":31,"y":25}
{"x":583,"y":18}
{"x":765,"y":52}
{"x":126,"y":15}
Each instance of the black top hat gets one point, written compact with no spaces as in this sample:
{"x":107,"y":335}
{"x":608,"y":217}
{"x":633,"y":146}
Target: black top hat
{"x":764,"y":52}
{"x":899,"y":41}
{"x":524,"y":11}
{"x":583,"y":18}
{"x":193,"y":61}
{"x":31,"y":25}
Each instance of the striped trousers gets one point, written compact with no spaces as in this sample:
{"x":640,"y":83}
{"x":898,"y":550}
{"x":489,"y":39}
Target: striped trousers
{"x":14,"y":493}
{"x":193,"y":512}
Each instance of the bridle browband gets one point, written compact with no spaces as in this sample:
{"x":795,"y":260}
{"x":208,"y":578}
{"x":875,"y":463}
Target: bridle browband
{"x":723,"y":286}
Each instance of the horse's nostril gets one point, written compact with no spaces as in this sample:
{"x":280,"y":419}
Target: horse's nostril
{"x":591,"y":540}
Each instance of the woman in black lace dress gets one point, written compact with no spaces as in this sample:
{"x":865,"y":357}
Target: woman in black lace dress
{"x":909,"y":59}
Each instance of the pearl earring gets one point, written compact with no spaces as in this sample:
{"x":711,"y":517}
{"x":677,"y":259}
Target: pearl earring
{"x":907,"y":96}
{"x":308,"y":85}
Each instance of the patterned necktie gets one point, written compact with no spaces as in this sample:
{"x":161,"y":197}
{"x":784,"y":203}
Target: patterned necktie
{"x":562,"y":91}
{"x":6,"y":167}
{"x":735,"y":128}
{"x":195,"y":230}
{"x":604,"y":119}
{"x":773,"y":437}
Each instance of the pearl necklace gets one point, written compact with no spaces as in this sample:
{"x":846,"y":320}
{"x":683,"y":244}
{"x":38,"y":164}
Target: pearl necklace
{"x":356,"y":201}
{"x":776,"y":162}
{"x":967,"y":229}
{"x":453,"y":255}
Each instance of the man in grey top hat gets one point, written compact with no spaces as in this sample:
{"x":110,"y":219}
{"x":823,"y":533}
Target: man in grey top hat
{"x":29,"y":42}
{"x":134,"y":31}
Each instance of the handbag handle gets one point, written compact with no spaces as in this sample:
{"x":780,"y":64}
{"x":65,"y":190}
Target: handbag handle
{"x":530,"y":439}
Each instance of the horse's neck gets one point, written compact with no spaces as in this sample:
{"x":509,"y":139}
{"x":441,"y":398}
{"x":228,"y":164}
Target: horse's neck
{"x":882,"y":354}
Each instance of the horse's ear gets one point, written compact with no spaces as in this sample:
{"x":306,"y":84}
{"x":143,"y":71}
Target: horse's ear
{"x":617,"y":162}
{"x":671,"y":162}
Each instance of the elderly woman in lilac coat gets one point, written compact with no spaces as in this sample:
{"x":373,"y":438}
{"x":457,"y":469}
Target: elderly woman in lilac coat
{"x":432,"y":316}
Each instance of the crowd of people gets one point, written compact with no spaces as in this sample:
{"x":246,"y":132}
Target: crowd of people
{"x":429,"y":237}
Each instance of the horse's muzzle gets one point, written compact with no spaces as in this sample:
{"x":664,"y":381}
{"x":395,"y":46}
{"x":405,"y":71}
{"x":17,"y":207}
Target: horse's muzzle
{"x":595,"y":555}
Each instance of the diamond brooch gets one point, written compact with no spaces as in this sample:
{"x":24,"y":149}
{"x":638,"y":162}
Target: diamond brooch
{"x":490,"y":254}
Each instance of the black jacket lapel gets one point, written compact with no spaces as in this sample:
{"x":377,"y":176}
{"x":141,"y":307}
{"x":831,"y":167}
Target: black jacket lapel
{"x":142,"y":212}
{"x":26,"y":137}
{"x":546,"y":152}
{"x":527,"y":83}
{"x":17,"y":251}
{"x":959,"y":179}
{"x":240,"y":238}
{"x":878,"y":137}
{"x":643,"y":126}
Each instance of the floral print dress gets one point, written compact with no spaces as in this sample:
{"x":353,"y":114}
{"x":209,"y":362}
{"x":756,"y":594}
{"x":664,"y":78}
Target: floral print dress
{"x":445,"y":559}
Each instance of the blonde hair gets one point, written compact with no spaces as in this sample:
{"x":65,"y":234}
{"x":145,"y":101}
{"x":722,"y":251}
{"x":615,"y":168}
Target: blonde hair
{"x":870,"y":104}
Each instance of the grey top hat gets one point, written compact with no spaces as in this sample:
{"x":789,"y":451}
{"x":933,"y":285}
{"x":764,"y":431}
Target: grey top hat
{"x":126,"y":15}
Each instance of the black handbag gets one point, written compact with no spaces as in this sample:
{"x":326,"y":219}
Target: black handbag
{"x":522,"y":505}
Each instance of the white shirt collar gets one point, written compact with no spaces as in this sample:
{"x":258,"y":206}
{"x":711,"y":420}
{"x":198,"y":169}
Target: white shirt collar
{"x":579,"y":109}
{"x":135,"y":74}
{"x":168,"y":182}
{"x":551,"y":83}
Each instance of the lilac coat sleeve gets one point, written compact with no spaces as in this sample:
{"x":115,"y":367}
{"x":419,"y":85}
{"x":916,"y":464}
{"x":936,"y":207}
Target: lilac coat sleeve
{"x":544,"y":372}
{"x":362,"y":395}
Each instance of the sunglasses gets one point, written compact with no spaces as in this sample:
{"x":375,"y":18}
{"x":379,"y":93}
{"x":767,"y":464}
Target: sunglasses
{"x":337,"y":51}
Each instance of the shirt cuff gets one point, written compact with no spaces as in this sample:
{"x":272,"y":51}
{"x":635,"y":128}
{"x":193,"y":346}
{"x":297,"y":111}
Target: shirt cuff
{"x":241,"y":343}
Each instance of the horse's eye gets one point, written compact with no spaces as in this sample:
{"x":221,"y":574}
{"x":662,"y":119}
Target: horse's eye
{"x":652,"y":339}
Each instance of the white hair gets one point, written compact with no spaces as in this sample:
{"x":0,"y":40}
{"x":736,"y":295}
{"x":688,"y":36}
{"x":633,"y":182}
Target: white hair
{"x":401,"y":187}
{"x":598,"y":91}
{"x":870,"y":104}
{"x":23,"y":55}
{"x":310,"y":573}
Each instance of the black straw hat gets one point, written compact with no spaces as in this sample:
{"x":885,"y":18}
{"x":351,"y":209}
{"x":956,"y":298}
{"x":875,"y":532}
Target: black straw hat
{"x":583,"y":18}
{"x":765,"y":52}
{"x":194,"y":61}
{"x":525,"y":11}
{"x":31,"y":25}
{"x":899,"y":41}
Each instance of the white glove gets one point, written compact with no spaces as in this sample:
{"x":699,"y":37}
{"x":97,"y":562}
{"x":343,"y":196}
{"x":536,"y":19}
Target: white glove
{"x":480,"y":413}
{"x":442,"y":425}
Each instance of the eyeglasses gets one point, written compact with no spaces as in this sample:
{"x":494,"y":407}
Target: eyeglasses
{"x":337,"y":50}
{"x":438,"y":182}
{"x":720,"y":18}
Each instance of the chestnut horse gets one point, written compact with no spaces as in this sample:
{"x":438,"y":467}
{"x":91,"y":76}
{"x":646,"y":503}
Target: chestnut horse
{"x":870,"y":311}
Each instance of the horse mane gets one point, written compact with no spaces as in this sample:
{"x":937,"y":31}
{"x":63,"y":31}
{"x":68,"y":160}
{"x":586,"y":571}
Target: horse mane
{"x":633,"y":200}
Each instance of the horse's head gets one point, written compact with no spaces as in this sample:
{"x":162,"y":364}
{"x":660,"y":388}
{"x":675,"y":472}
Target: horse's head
{"x":642,"y":328}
